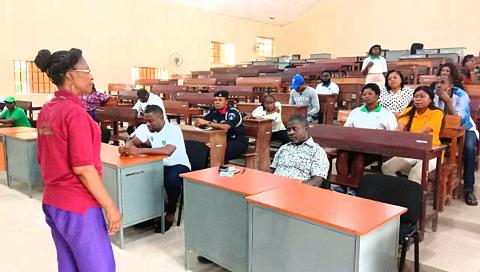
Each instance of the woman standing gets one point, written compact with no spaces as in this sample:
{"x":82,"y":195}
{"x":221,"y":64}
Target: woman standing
{"x":422,"y":117}
{"x":68,"y":152}
{"x":375,"y":66}
{"x":395,"y":97}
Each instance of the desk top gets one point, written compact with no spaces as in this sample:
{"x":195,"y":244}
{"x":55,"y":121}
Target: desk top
{"x":352,"y":214}
{"x":189,"y":128}
{"x":13,"y":130}
{"x":109,"y":155}
{"x":249,"y":182}
{"x":24,"y":135}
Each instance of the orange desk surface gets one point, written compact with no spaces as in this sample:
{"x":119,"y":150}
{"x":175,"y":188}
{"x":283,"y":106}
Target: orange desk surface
{"x":24,"y":135}
{"x":109,"y":155}
{"x":10,"y":130}
{"x":352,"y":214}
{"x":249,"y":182}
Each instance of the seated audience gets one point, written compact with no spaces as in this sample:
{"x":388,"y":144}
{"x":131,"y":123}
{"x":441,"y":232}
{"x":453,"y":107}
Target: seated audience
{"x":449,"y":69}
{"x":302,"y":158}
{"x":373,"y":116}
{"x":13,"y":115}
{"x":470,"y":64}
{"x":327,"y":86}
{"x":374,"y":66}
{"x":304,"y":95}
{"x":272,"y":110}
{"x":94,"y":100}
{"x":222,"y":116}
{"x":395,"y":96}
{"x":162,"y":139}
{"x":422,"y":117}
{"x":453,"y":100}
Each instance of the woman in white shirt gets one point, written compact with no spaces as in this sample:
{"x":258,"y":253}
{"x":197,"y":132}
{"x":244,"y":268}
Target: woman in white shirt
{"x":375,"y":66}
{"x":395,"y":97}
{"x":270,"y":109}
{"x":372,"y":116}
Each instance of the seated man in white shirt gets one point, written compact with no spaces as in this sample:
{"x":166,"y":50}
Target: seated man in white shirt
{"x":302,"y":158}
{"x":327,"y":86}
{"x":146,"y":98}
{"x":162,"y":139}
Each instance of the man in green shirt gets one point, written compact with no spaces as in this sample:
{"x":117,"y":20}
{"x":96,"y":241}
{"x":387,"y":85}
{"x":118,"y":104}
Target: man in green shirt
{"x":13,"y":114}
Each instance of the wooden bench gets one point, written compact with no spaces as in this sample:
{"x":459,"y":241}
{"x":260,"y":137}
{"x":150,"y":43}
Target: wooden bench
{"x":260,"y":83}
{"x":237,"y":93}
{"x":196,"y":99}
{"x":195,"y":84}
{"x":350,"y":80}
{"x":168,"y":91}
{"x":116,"y":88}
{"x":181,"y":109}
{"x":149,"y":83}
{"x":225,"y":79}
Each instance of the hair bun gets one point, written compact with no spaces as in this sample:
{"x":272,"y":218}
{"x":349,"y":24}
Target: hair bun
{"x":42,"y":59}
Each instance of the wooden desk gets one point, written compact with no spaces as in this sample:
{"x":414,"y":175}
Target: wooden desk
{"x":216,"y":214}
{"x":349,"y":80}
{"x":261,"y":131}
{"x":453,"y":132}
{"x":388,"y":144}
{"x":135,"y":184}
{"x":21,"y":158}
{"x":430,"y":63}
{"x":350,"y":93}
{"x":182,"y":108}
{"x":298,"y":227}
{"x":327,"y":107}
{"x":128,"y":95}
{"x":216,"y":139}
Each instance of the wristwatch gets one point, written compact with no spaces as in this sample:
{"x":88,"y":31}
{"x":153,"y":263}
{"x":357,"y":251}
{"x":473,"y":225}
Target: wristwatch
{"x":209,"y":123}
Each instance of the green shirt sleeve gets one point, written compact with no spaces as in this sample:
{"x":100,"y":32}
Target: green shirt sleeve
{"x":20,"y":118}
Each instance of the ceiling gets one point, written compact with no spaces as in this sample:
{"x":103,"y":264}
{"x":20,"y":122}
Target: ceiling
{"x":282,"y":11}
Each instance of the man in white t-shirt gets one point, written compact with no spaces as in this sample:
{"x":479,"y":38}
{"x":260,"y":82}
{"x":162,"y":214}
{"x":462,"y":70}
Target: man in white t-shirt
{"x":163,"y":139}
{"x":327,"y":86}
{"x":146,"y":98}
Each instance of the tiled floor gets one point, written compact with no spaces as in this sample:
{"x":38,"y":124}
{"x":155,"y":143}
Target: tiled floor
{"x":26,"y":244}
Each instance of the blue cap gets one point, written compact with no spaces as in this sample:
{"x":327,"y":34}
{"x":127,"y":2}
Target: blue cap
{"x":297,"y":80}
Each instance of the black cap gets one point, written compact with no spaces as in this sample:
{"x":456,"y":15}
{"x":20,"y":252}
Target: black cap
{"x":221,"y":93}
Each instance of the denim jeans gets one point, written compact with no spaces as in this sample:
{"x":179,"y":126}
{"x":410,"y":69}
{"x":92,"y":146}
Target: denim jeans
{"x":469,"y":155}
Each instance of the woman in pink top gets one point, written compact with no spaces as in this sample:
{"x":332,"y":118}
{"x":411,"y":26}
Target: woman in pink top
{"x":68,"y":152}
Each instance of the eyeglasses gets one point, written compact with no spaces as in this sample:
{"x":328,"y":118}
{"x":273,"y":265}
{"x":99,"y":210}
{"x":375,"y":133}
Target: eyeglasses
{"x":82,"y":70}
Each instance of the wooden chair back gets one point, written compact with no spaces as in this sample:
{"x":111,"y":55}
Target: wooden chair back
{"x":116,"y":88}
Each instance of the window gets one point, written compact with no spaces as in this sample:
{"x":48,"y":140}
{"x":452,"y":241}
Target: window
{"x":217,"y":50}
{"x":149,"y":73}
{"x":264,"y":47}
{"x":222,"y":53}
{"x":29,"y":79}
